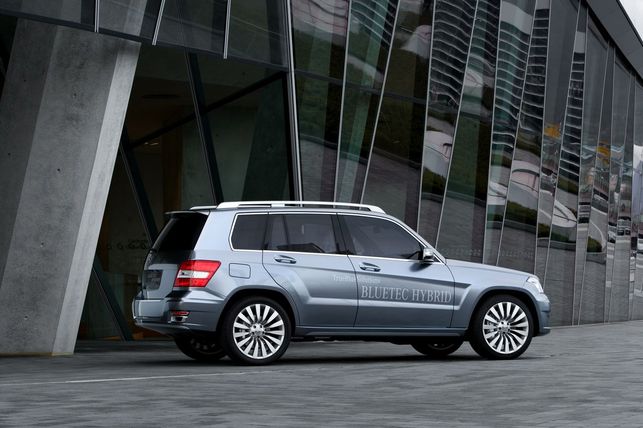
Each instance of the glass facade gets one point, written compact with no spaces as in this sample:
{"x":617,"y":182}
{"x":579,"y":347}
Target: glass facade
{"x":507,"y":132}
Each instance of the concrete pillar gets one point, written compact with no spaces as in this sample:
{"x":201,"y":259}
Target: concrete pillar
{"x":61,"y":116}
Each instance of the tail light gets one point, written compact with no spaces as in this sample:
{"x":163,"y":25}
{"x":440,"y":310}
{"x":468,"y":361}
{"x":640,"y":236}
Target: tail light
{"x":196,"y":273}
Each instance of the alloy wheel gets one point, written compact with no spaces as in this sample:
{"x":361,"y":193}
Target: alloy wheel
{"x":505,"y":327}
{"x":258,"y":331}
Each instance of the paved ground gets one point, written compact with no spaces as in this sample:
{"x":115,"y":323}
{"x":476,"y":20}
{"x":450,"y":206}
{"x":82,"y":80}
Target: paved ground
{"x":583,"y":376}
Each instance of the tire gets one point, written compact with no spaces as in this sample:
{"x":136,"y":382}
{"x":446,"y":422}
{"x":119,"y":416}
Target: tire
{"x":200,"y":348}
{"x":436,"y":348}
{"x":501,"y":328}
{"x":255,"y":331}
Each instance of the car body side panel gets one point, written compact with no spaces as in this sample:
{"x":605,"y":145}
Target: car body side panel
{"x":323,"y":286}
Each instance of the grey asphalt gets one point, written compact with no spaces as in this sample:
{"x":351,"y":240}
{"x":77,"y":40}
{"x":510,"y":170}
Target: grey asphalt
{"x":577,"y":376}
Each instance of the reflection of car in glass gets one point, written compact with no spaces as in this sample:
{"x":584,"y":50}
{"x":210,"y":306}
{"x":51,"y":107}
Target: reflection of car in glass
{"x":623,"y":226}
{"x":611,"y":233}
{"x":243,"y":279}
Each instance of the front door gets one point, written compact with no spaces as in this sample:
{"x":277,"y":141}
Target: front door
{"x":304,"y":256}
{"x":396,"y":289}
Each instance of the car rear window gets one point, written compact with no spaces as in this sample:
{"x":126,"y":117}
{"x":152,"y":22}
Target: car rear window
{"x":181,"y":232}
{"x":249,"y":231}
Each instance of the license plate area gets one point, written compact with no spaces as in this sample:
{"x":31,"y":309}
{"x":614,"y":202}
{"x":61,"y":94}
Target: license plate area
{"x":149,"y":308}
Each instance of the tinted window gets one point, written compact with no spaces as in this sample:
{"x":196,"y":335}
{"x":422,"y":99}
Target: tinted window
{"x":380,"y":238}
{"x":309,"y":233}
{"x":249,"y":232}
{"x":181,"y":233}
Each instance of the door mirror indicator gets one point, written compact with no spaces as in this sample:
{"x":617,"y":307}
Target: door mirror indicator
{"x":428,"y":256}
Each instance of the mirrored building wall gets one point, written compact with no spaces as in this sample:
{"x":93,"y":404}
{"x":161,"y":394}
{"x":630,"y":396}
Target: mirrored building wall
{"x":508,"y":132}
{"x":504,"y":131}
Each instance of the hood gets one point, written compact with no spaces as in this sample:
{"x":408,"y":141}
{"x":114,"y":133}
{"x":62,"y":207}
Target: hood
{"x":459,"y":265}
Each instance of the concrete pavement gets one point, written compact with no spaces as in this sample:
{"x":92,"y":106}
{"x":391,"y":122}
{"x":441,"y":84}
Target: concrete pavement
{"x":577,"y":376}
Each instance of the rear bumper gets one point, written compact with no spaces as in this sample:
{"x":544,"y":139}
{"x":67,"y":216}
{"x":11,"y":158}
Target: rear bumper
{"x":204,"y":311}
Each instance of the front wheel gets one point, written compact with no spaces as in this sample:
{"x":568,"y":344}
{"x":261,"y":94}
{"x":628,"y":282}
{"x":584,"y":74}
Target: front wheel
{"x":502,"y":328}
{"x":255,"y":331}
{"x":200,"y":349}
{"x":437,"y":348}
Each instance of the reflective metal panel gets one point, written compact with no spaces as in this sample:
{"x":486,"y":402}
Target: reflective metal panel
{"x":558,"y":279}
{"x":408,"y":70}
{"x":196,"y":24}
{"x":592,"y":298}
{"x":596,"y":59}
{"x":359,"y":115}
{"x":453,"y":27}
{"x":518,"y":239}
{"x":617,"y":285}
{"x":369,"y":45}
{"x":562,"y":28}
{"x":319,"y":36}
{"x":636,"y":311}
{"x":394,"y":174}
{"x":516,"y":21}
{"x":461,"y":232}
{"x":319,"y":108}
{"x":371,"y":33}
{"x":623,"y":278}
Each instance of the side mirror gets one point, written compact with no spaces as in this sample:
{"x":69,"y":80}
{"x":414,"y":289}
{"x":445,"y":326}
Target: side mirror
{"x":428,"y":256}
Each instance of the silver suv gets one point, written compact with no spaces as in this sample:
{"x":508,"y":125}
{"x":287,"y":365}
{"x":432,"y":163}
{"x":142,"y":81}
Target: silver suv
{"x":243,"y":279}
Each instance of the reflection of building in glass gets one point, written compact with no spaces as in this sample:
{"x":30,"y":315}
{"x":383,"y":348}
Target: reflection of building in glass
{"x":513,"y":49}
{"x":451,"y":40}
{"x":518,"y":234}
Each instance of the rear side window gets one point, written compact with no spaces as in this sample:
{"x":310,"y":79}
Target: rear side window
{"x":249,"y":231}
{"x":307,"y":233}
{"x":380,"y":238}
{"x":181,"y":232}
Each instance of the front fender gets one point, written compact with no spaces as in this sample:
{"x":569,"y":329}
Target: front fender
{"x":473,"y":296}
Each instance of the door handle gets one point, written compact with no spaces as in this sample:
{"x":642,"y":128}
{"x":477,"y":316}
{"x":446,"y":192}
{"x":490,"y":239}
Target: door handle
{"x":370,"y":267}
{"x":285,"y":259}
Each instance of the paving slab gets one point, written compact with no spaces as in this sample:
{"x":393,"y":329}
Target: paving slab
{"x":576,"y":376}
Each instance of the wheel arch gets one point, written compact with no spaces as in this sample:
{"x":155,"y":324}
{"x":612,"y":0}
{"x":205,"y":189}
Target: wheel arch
{"x":520,"y":294}
{"x":271,"y":293}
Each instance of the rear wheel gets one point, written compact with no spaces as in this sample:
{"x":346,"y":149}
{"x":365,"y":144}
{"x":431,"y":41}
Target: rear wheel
{"x":199,"y":348}
{"x":501,"y":328}
{"x":255,"y":331}
{"x":437,"y":348}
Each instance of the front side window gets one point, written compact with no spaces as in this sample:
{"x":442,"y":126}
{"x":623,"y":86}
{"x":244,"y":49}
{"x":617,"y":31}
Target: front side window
{"x":377,"y":237}
{"x":307,"y":233}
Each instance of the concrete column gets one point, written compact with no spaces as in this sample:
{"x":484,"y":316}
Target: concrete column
{"x":61,"y":116}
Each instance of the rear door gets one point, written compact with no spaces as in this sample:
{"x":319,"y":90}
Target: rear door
{"x":396,"y":289}
{"x":304,"y":256}
{"x":174,"y":245}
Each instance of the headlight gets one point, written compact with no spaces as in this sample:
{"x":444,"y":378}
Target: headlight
{"x":536,"y":283}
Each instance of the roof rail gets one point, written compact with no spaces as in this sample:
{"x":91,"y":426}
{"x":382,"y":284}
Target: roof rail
{"x":284,"y":204}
